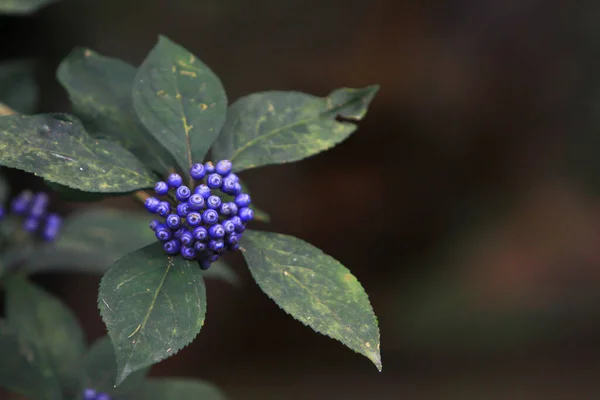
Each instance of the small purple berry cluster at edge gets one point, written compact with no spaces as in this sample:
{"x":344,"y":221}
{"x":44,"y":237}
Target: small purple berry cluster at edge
{"x":201,"y":225}
{"x":91,"y":394}
{"x":34,"y":208}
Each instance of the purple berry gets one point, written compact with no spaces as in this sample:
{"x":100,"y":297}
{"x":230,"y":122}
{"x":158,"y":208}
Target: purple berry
{"x":187,"y":239}
{"x":210,"y":217}
{"x":161,"y":188}
{"x":89,"y":394}
{"x":193,"y":219}
{"x":103,"y":396}
{"x":232,"y":239}
{"x":163,"y":208}
{"x":216,"y":231}
{"x":154,"y":224}
{"x":174,"y":180}
{"x":230,"y":187}
{"x":212,"y":258}
{"x":216,"y":245}
{"x":243,"y":200}
{"x":151,"y":204}
{"x":223,"y":167}
{"x":233,"y":176}
{"x":38,"y":207}
{"x":246,"y":214}
{"x":213,"y":202}
{"x":199,"y":247}
{"x":229,"y":226}
{"x":196,"y":202}
{"x":188,"y":252}
{"x":172,"y":247}
{"x":226,"y":209}
{"x":177,"y":234}
{"x":205,"y":264}
{"x":173,"y":221}
{"x":31,"y":224}
{"x":183,"y":193}
{"x":20,"y":204}
{"x":214,"y":181}
{"x":183,"y":209}
{"x":239,"y":224}
{"x":209,"y":167}
{"x":200,"y":233}
{"x":163,"y":234}
{"x":197,"y":171}
{"x":202,"y":190}
{"x":2,"y":212}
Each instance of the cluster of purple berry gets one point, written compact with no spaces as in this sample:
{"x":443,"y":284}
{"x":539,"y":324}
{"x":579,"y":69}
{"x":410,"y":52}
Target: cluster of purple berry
{"x":91,"y":394}
{"x":201,"y":225}
{"x":37,"y":219}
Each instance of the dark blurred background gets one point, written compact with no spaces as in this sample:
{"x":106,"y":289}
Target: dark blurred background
{"x":466,"y":203}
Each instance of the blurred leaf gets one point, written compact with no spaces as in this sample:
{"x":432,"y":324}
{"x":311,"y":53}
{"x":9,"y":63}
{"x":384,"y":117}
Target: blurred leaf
{"x":314,"y":288}
{"x":57,"y":148}
{"x":22,"y":7}
{"x":176,"y":389}
{"x":100,"y":90}
{"x":49,"y":325}
{"x":180,"y":101}
{"x":92,"y":239}
{"x":153,"y":306}
{"x":100,"y":370}
{"x":17,"y":85}
{"x":279,"y":127}
{"x":20,"y":368}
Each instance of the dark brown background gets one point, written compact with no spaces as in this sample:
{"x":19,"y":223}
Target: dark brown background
{"x":466,"y":203}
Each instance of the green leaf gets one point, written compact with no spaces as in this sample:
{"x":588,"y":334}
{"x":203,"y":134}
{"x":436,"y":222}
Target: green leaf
{"x":92,"y":239}
{"x":180,"y":101}
{"x":314,"y":288}
{"x":176,"y":389}
{"x":100,"y":90}
{"x":20,"y":368}
{"x":222,"y":271}
{"x":153,"y":306}
{"x":48,"y":324}
{"x":280,"y":127}
{"x":100,"y":370}
{"x":17,"y":85}
{"x":57,"y":148}
{"x":22,"y":7}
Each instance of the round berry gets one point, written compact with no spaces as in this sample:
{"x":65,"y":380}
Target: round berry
{"x":216,"y":245}
{"x":161,"y":188}
{"x":50,"y":233}
{"x":194,"y":219}
{"x":210,"y":217}
{"x":177,"y":234}
{"x":163,"y":234}
{"x":173,"y":221}
{"x":151,"y":204}
{"x":216,"y":231}
{"x":38,"y":207}
{"x":196,"y":202}
{"x":188,"y":252}
{"x":183,"y":209}
{"x":202,"y":190}
{"x":163,"y":208}
{"x":242,"y":200}
{"x":197,"y":171}
{"x":239,"y":224}
{"x":186,"y":238}
{"x":103,"y":396}
{"x":213,"y":202}
{"x":53,"y":220}
{"x":21,"y":203}
{"x":214,"y":257}
{"x":31,"y":224}
{"x":234,"y":208}
{"x":174,"y":180}
{"x":200,"y":233}
{"x":89,"y":394}
{"x":209,"y":167}
{"x":205,"y":264}
{"x":233,"y":247}
{"x":246,"y":214}
{"x":172,"y":247}
{"x":232,"y":239}
{"x":229,"y":226}
{"x":2,"y":212}
{"x":226,"y":209}
{"x":223,"y":167}
{"x":199,"y":247}
{"x":230,"y":187}
{"x":233,"y":176}
{"x":214,"y":181}
{"x":154,"y":224}
{"x":183,"y":193}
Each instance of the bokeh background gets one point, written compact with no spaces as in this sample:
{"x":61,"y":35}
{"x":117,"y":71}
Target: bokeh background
{"x":466,"y":203}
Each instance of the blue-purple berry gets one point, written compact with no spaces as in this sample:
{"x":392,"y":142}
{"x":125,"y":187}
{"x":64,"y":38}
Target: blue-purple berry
{"x":231,"y":187}
{"x":209,"y":167}
{"x":172,"y":247}
{"x":186,"y":238}
{"x":31,"y":224}
{"x":226,"y":209}
{"x":103,"y":396}
{"x":232,"y":239}
{"x":161,"y":188}
{"x":163,"y":208}
{"x":154,"y":224}
{"x":233,"y":247}
{"x":183,"y":209}
{"x":216,"y":231}
{"x":2,"y":211}
{"x":243,"y":200}
{"x":210,"y":217}
{"x":202,"y":190}
{"x":39,"y":204}
{"x":163,"y":233}
{"x":89,"y":394}
{"x":174,"y":181}
{"x":21,"y":203}
{"x":234,"y":177}
{"x":205,"y":264}
{"x":246,"y":214}
{"x":197,"y":171}
{"x":199,"y":247}
{"x":173,"y":221}
{"x":216,"y":245}
{"x":177,"y":234}
{"x":200,"y":233}
{"x":196,"y":202}
{"x":214,"y":181}
{"x":188,"y":252}
{"x":151,"y":204}
{"x":213,"y":202}
{"x":223,"y":167}
{"x":183,"y":193}
{"x":239,"y":224}
{"x":229,"y":226}
{"x":193,"y":219}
